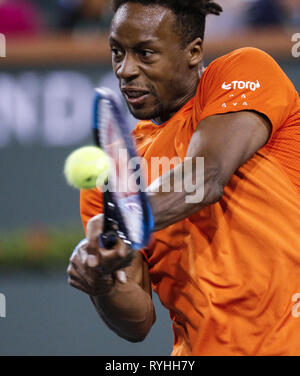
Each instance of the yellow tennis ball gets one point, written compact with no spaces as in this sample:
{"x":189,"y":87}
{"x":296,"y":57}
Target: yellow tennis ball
{"x":87,"y":167}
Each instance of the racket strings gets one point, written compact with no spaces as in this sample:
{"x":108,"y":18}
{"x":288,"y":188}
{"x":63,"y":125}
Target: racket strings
{"x":126,"y":197}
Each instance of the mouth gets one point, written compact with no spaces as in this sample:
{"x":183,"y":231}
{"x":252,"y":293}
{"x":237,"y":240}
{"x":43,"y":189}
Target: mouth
{"x":135,"y":96}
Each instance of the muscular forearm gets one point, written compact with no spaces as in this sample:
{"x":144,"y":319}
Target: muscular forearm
{"x":189,"y":192}
{"x":127,"y":309}
{"x":226,"y":142}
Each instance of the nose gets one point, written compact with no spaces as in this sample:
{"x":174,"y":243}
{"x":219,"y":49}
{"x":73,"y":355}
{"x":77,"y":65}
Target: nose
{"x":128,"y":68}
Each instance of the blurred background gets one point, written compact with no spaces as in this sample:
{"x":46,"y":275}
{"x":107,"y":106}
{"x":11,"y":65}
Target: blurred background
{"x":56,"y":53}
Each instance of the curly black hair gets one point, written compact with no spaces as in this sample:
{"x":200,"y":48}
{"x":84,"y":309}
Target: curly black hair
{"x":190,"y":14}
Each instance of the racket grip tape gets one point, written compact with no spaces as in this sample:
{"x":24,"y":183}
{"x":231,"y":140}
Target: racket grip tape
{"x":108,"y":240}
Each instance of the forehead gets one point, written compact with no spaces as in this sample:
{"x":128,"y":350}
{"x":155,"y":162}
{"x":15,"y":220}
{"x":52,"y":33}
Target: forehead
{"x":134,"y":22}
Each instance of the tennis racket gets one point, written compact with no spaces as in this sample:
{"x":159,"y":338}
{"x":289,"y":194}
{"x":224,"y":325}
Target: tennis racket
{"x":127,"y":213}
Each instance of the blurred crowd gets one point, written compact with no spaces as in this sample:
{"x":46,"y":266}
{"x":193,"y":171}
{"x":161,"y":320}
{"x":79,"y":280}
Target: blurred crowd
{"x":35,"y":17}
{"x":246,"y":15}
{"x":27,"y":18}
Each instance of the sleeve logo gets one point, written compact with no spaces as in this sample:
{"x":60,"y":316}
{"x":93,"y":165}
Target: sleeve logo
{"x":253,"y":86}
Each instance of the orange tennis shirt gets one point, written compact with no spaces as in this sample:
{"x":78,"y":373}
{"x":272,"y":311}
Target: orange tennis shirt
{"x":230,"y":274}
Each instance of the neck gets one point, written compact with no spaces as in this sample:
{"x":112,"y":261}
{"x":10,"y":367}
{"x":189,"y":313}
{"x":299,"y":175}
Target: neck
{"x":166,"y":114}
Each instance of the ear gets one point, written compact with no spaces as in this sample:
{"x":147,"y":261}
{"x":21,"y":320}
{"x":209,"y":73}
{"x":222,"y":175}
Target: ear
{"x":194,"y":52}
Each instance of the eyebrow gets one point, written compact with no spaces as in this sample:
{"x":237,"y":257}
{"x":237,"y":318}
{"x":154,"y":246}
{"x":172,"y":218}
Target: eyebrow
{"x":113,"y":40}
{"x":137,"y":46}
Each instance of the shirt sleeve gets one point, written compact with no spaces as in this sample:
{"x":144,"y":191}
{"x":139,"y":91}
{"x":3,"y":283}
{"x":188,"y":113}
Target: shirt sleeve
{"x":247,"y":79}
{"x":91,"y":204}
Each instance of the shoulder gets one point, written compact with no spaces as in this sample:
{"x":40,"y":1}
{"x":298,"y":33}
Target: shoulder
{"x":244,"y":64}
{"x":247,"y":54}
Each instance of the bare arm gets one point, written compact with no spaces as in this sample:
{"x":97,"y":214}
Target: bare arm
{"x":120,"y":293}
{"x":226,"y":142}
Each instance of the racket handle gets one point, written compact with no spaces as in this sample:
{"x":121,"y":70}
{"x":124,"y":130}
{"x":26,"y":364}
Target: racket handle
{"x":108,"y":240}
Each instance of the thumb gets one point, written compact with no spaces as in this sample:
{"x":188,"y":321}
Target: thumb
{"x":94,"y":229}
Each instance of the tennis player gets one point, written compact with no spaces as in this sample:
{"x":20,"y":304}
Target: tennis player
{"x":227,"y":268}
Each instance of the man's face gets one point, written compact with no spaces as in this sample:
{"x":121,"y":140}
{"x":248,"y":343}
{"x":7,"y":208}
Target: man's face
{"x":149,"y":61}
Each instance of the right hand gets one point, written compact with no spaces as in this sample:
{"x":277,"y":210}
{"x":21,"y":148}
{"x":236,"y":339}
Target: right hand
{"x":95,"y":270}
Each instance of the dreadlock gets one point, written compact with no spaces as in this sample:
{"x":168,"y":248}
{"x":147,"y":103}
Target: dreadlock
{"x":190,"y":14}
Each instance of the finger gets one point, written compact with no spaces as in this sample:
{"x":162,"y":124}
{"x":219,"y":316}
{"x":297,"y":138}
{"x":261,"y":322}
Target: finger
{"x":85,"y":258}
{"x":82,"y":274}
{"x":90,"y":284}
{"x":79,"y":260}
{"x":115,"y":264}
{"x":93,"y":261}
{"x":119,"y":252}
{"x":76,"y":275}
{"x":122,"y":248}
{"x":83,"y":264}
{"x":77,"y":285}
{"x":81,"y":244}
{"x":82,"y":256}
{"x":119,"y":262}
{"x":79,"y":273}
{"x":78,"y":281}
{"x":109,"y":260}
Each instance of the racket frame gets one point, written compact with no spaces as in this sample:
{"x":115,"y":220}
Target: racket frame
{"x":111,"y":208}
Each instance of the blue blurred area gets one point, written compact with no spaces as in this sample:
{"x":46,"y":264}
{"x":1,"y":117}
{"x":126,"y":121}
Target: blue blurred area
{"x":266,"y":13}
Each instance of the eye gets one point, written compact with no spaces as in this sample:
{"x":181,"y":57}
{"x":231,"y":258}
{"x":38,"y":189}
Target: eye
{"x":116,"y":52}
{"x":146,"y":53}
